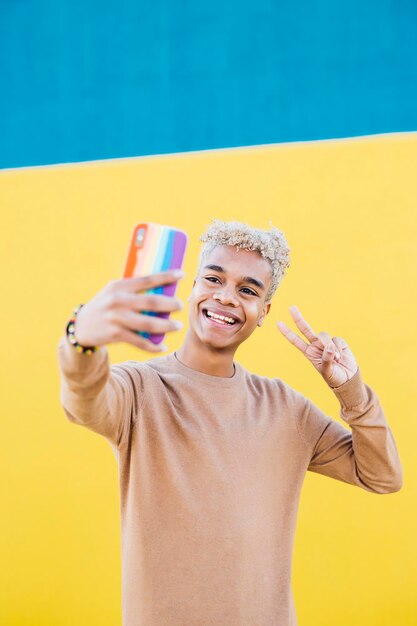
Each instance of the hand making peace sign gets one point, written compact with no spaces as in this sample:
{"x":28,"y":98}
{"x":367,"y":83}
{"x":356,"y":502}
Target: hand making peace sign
{"x":331,"y":356}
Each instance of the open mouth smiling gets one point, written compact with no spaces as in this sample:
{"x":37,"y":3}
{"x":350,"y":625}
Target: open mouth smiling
{"x":218,"y":319}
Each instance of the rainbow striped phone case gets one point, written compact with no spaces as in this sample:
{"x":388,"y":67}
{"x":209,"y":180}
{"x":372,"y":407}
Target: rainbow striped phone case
{"x":155,"y":248}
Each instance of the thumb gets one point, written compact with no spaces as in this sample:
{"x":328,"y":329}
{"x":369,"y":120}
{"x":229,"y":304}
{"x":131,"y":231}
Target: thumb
{"x":327,"y":361}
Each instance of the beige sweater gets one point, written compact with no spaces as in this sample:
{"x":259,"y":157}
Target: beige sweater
{"x":210,"y":472}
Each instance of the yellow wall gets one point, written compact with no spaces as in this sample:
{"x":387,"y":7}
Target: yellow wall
{"x":348,"y":209}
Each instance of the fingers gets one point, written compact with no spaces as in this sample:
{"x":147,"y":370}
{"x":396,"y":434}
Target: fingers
{"x":326,"y":340}
{"x":292,"y":337}
{"x":113,"y":314}
{"x":323,"y":337}
{"x":340,"y":345}
{"x":147,"y":323}
{"x":142,"y":283}
{"x":302,"y":324}
{"x":129,"y":336}
{"x":158,"y":303}
{"x":327,"y":361}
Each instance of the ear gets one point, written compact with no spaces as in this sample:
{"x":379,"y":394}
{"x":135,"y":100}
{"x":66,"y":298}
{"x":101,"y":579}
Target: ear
{"x":188,"y":299}
{"x":265,"y":312}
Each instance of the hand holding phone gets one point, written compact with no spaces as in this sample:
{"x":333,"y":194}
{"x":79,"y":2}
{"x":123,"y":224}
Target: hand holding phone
{"x":136,"y":308}
{"x":113,"y":315}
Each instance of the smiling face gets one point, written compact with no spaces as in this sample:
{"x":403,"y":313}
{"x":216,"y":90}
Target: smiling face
{"x":231,"y":284}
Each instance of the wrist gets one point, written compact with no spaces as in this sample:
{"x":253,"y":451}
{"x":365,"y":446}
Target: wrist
{"x":70,"y":332}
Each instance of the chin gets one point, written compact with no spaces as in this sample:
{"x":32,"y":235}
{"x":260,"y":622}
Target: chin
{"x":218,"y":343}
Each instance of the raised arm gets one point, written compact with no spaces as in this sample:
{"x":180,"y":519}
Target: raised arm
{"x":94,"y":394}
{"x":365,"y":456}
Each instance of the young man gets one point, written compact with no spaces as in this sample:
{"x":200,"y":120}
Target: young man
{"x":212,"y":457}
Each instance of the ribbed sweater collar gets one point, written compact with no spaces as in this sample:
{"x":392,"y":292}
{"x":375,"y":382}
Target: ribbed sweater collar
{"x":206,"y":379}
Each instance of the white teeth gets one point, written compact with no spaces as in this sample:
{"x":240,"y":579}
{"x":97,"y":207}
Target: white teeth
{"x":222,"y":318}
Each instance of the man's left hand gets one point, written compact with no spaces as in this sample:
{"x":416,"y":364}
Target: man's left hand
{"x":331,"y":356}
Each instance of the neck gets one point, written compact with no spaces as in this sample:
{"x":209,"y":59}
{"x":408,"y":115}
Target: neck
{"x":206,"y":359}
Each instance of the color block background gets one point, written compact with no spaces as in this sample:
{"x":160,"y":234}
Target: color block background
{"x":348,"y":209}
{"x":105,"y":81}
{"x":95,"y":80}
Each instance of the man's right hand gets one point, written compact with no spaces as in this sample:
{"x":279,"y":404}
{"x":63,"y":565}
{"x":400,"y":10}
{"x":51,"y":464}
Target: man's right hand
{"x":114,"y":313}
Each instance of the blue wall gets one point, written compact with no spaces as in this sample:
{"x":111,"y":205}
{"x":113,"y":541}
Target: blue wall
{"x":92,"y":80}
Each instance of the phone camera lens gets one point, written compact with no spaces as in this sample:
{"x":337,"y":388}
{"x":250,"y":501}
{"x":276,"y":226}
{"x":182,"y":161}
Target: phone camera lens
{"x":140,"y":235}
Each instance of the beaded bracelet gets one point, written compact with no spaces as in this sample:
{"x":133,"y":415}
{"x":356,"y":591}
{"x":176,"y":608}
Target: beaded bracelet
{"x":70,"y":330}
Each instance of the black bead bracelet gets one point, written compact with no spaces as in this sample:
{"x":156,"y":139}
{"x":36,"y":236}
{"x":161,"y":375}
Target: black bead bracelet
{"x":70,"y":330}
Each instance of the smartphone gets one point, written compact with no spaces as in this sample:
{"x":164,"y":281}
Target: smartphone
{"x":155,"y":248}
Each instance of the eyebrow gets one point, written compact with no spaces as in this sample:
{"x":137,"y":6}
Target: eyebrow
{"x":246,"y":279}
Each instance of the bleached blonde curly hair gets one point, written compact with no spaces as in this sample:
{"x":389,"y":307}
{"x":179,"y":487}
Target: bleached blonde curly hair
{"x":271,"y":244}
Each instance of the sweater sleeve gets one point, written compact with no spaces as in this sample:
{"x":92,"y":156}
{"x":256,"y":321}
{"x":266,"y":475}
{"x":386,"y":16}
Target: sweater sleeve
{"x":102,"y":397}
{"x":366,"y":455}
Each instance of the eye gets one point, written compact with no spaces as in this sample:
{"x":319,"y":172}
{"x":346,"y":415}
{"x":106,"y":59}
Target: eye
{"x":246,"y":290}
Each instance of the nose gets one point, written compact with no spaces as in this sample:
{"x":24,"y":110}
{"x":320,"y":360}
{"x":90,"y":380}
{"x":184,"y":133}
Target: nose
{"x":226,"y":296}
